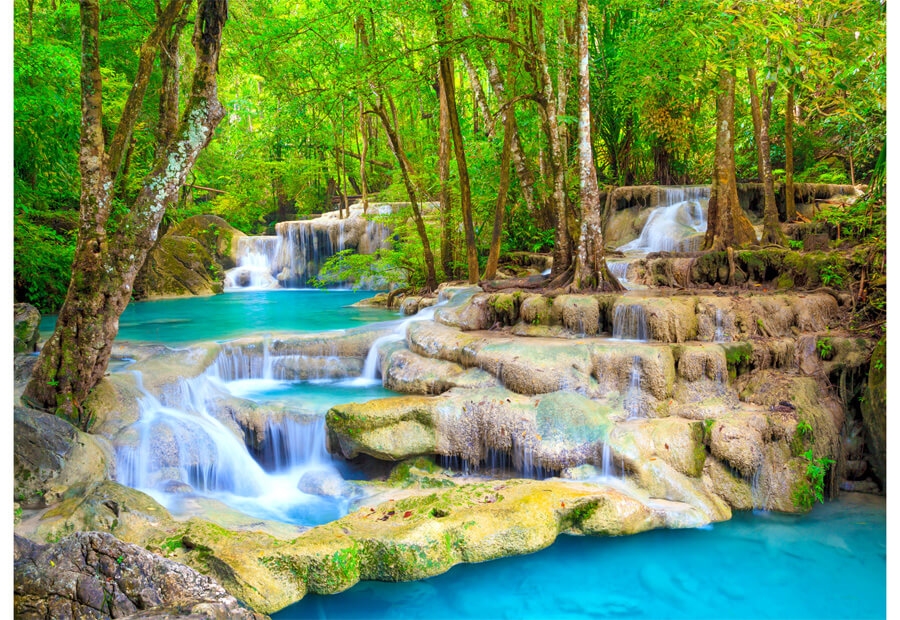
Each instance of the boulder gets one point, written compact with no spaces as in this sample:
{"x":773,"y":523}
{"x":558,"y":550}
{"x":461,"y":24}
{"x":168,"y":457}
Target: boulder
{"x":53,"y":460}
{"x":93,"y":574}
{"x":190,"y":259}
{"x":26,"y":324}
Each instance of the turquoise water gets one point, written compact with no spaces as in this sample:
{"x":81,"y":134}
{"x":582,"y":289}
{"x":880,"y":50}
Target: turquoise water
{"x":828,"y":564}
{"x":234,"y":314}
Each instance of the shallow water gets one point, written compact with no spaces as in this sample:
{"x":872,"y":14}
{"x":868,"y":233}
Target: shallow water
{"x":239,"y":313}
{"x":828,"y":564}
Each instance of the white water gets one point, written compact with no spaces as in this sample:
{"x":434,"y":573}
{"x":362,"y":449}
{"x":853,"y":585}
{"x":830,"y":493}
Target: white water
{"x":633,"y":401}
{"x":296,"y":254}
{"x":681,"y":215}
{"x":630,"y":322}
{"x":183,"y":451}
{"x":371,"y":371}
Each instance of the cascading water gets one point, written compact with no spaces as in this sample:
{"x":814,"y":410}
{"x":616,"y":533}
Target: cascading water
{"x":255,"y":261}
{"x":620,"y":270}
{"x":671,"y":226}
{"x":630,"y":322}
{"x":371,"y":371}
{"x":720,"y":327}
{"x":183,"y":450}
{"x":633,"y":397}
{"x":298,"y":251}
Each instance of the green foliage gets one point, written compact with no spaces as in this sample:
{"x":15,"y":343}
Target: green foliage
{"x":805,"y":495}
{"x":825,"y":348}
{"x":795,"y":244}
{"x":832,"y":275}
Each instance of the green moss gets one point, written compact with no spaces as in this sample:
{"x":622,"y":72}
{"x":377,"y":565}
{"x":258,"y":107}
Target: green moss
{"x":580,"y":513}
{"x":737,"y":357}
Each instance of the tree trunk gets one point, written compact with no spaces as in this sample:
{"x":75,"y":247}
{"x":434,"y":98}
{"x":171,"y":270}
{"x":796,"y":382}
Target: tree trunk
{"x":591,"y":271}
{"x":75,"y":357}
{"x":444,"y":175}
{"x":728,"y":226}
{"x":135,"y":100}
{"x":406,"y":174}
{"x":362,"y":159}
{"x":490,"y":270}
{"x":772,"y":232}
{"x":534,"y":202}
{"x":789,"y":206}
{"x":170,"y":66}
{"x":562,"y":254}
{"x":465,"y":194}
{"x":480,"y":100}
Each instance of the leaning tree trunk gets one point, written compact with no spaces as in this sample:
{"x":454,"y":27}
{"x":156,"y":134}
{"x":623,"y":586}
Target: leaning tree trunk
{"x":106,"y":262}
{"x":762,"y":113}
{"x":591,"y":270}
{"x":789,"y":206}
{"x":728,"y":226}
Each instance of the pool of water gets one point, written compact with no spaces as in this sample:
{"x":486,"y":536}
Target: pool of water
{"x":828,"y":564}
{"x":234,"y":314}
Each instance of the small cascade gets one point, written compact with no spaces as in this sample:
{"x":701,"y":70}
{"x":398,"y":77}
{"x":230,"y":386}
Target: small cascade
{"x":633,"y":396}
{"x":371,"y":371}
{"x":186,"y":445}
{"x":620,"y":270}
{"x":720,"y":327}
{"x":303,"y":250}
{"x":255,"y":264}
{"x":630,"y":323}
{"x":291,"y":443}
{"x":607,"y":468}
{"x":183,"y":449}
{"x":758,"y":496}
{"x":673,"y":225}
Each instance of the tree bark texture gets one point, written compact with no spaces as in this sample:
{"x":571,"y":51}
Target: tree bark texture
{"x":478,"y":94}
{"x":728,"y":226}
{"x":591,"y":271}
{"x":75,"y":357}
{"x":444,"y":176}
{"x":762,"y":112}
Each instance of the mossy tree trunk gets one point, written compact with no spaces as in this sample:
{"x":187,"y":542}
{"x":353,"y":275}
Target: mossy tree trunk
{"x":591,"y":270}
{"x":111,"y":249}
{"x":728,"y":225}
{"x":762,"y":112}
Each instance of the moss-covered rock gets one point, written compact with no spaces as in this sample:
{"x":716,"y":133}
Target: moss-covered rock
{"x":190,"y":259}
{"x":53,"y":460}
{"x":26,"y":324}
{"x":874,"y":410}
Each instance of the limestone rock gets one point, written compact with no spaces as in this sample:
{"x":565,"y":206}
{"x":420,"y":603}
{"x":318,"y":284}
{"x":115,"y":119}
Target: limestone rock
{"x":26,"y":322}
{"x":874,"y":410}
{"x":53,"y":460}
{"x":409,"y":373}
{"x":93,"y":574}
{"x":190,"y":259}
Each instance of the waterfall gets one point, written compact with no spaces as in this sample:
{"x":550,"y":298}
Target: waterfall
{"x":620,"y":270}
{"x":674,"y":224}
{"x":177,"y":448}
{"x":371,"y":371}
{"x":186,"y":445}
{"x":255,"y":264}
{"x":633,"y":401}
{"x":630,"y":323}
{"x":720,"y":327}
{"x":607,"y":469}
